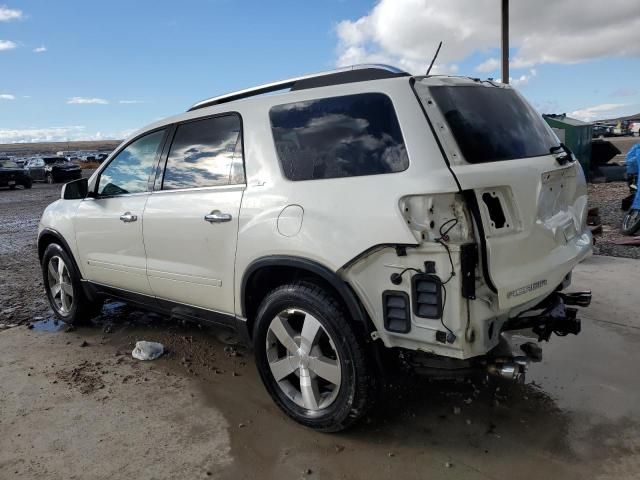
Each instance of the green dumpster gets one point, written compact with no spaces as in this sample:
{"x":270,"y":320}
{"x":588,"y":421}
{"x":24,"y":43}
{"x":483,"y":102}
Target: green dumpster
{"x":575,"y":134}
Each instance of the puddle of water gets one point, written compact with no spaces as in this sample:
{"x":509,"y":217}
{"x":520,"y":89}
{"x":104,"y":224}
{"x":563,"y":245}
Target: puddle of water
{"x":49,"y":325}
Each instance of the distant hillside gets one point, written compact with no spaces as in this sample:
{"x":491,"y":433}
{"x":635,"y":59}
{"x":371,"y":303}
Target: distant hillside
{"x":619,"y":119}
{"x":53,"y":147}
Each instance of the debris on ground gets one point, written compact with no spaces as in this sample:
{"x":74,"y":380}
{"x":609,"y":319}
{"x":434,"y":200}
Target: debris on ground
{"x":147,"y":350}
{"x":606,"y":198}
{"x":634,"y":241}
{"x":85,"y":377}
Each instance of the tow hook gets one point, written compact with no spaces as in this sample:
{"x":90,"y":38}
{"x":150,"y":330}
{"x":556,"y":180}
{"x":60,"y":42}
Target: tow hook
{"x":556,"y":317}
{"x":512,"y":369}
{"x":561,"y":320}
{"x":578,"y":299}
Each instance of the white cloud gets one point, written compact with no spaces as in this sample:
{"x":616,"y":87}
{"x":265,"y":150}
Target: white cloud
{"x":40,"y":49}
{"x":130,"y":102}
{"x":7,"y":14}
{"x":87,"y":101}
{"x":7,"y":45}
{"x":49,"y":134}
{"x":54,"y":134}
{"x":490,"y":65}
{"x":605,"y":110}
{"x":7,"y":96}
{"x":407,"y":32}
{"x":522,"y":80}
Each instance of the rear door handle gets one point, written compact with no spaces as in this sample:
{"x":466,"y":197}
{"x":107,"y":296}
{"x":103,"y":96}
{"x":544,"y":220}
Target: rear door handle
{"x":216,"y":216}
{"x":128,"y":217}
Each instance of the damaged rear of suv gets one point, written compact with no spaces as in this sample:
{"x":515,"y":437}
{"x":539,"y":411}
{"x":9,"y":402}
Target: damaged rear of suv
{"x":348,"y":217}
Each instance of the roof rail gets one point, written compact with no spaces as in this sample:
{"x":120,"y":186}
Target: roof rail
{"x":354,"y":73}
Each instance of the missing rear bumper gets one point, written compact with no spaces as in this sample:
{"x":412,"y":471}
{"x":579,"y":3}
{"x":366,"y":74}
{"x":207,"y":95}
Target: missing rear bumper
{"x":555,"y":316}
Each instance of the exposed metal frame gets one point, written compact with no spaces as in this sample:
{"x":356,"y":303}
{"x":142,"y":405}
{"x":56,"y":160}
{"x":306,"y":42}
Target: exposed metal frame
{"x":284,"y":84}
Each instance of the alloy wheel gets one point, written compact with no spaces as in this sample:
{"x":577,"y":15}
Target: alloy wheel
{"x":60,"y":285}
{"x":303,"y":359}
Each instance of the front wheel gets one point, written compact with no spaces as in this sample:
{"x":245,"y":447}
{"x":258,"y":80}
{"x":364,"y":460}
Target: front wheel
{"x":63,"y":287}
{"x":631,"y":222}
{"x":310,"y":360}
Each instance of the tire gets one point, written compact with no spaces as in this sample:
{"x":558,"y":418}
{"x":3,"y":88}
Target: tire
{"x":49,"y":179}
{"x":347,"y":388}
{"x":27,"y":184}
{"x":12,"y":187}
{"x":631,"y":222}
{"x":69,"y":302}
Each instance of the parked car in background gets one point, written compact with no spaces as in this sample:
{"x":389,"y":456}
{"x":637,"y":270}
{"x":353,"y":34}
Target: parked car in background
{"x":634,"y":128}
{"x":20,"y":161}
{"x":101,"y":157}
{"x":601,"y":130}
{"x":11,"y":175}
{"x":52,"y":170}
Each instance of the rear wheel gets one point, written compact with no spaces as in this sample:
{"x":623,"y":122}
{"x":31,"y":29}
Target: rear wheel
{"x":310,"y":360}
{"x":27,"y":184}
{"x":64,"y":290}
{"x":631,"y":222}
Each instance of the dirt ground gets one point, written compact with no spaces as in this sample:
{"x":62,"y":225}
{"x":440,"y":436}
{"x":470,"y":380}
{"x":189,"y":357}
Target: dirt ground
{"x":75,"y":404}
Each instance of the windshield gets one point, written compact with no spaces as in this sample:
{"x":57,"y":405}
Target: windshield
{"x":491,"y":124}
{"x":8,"y":164}
{"x":51,"y":160}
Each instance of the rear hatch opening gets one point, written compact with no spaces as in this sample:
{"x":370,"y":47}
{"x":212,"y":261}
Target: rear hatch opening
{"x":527,"y":195}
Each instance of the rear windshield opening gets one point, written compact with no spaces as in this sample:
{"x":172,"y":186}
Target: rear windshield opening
{"x":492,"y":124}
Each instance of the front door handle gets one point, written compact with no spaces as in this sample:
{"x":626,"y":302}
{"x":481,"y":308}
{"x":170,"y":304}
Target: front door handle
{"x":128,"y":217}
{"x":217,"y":216}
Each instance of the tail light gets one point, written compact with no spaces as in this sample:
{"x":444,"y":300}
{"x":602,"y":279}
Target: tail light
{"x":426,"y":291}
{"x":396,"y":311}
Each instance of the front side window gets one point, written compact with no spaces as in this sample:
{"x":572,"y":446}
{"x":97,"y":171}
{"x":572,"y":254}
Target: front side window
{"x":205,"y":153}
{"x":336,"y":137}
{"x":129,"y":171}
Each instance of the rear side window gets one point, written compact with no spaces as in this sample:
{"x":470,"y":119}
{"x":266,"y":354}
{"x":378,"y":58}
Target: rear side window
{"x":337,"y":137}
{"x":491,"y":124}
{"x":205,"y":153}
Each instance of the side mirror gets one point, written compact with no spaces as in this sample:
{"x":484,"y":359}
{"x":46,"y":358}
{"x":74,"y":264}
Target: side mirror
{"x":75,"y":190}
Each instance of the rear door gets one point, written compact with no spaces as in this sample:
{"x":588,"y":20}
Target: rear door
{"x":109,"y":227}
{"x":529,"y":194}
{"x":191,"y":218}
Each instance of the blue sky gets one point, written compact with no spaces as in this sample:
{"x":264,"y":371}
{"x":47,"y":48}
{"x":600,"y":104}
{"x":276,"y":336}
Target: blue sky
{"x":89,"y":69}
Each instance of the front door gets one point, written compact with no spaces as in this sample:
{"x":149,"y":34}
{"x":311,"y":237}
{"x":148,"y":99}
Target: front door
{"x":109,"y":226}
{"x":191,"y":219}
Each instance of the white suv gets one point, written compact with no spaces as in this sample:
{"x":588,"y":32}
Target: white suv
{"x":346,"y":218}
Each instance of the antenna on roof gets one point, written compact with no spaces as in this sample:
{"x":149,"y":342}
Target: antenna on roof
{"x":434,"y":58}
